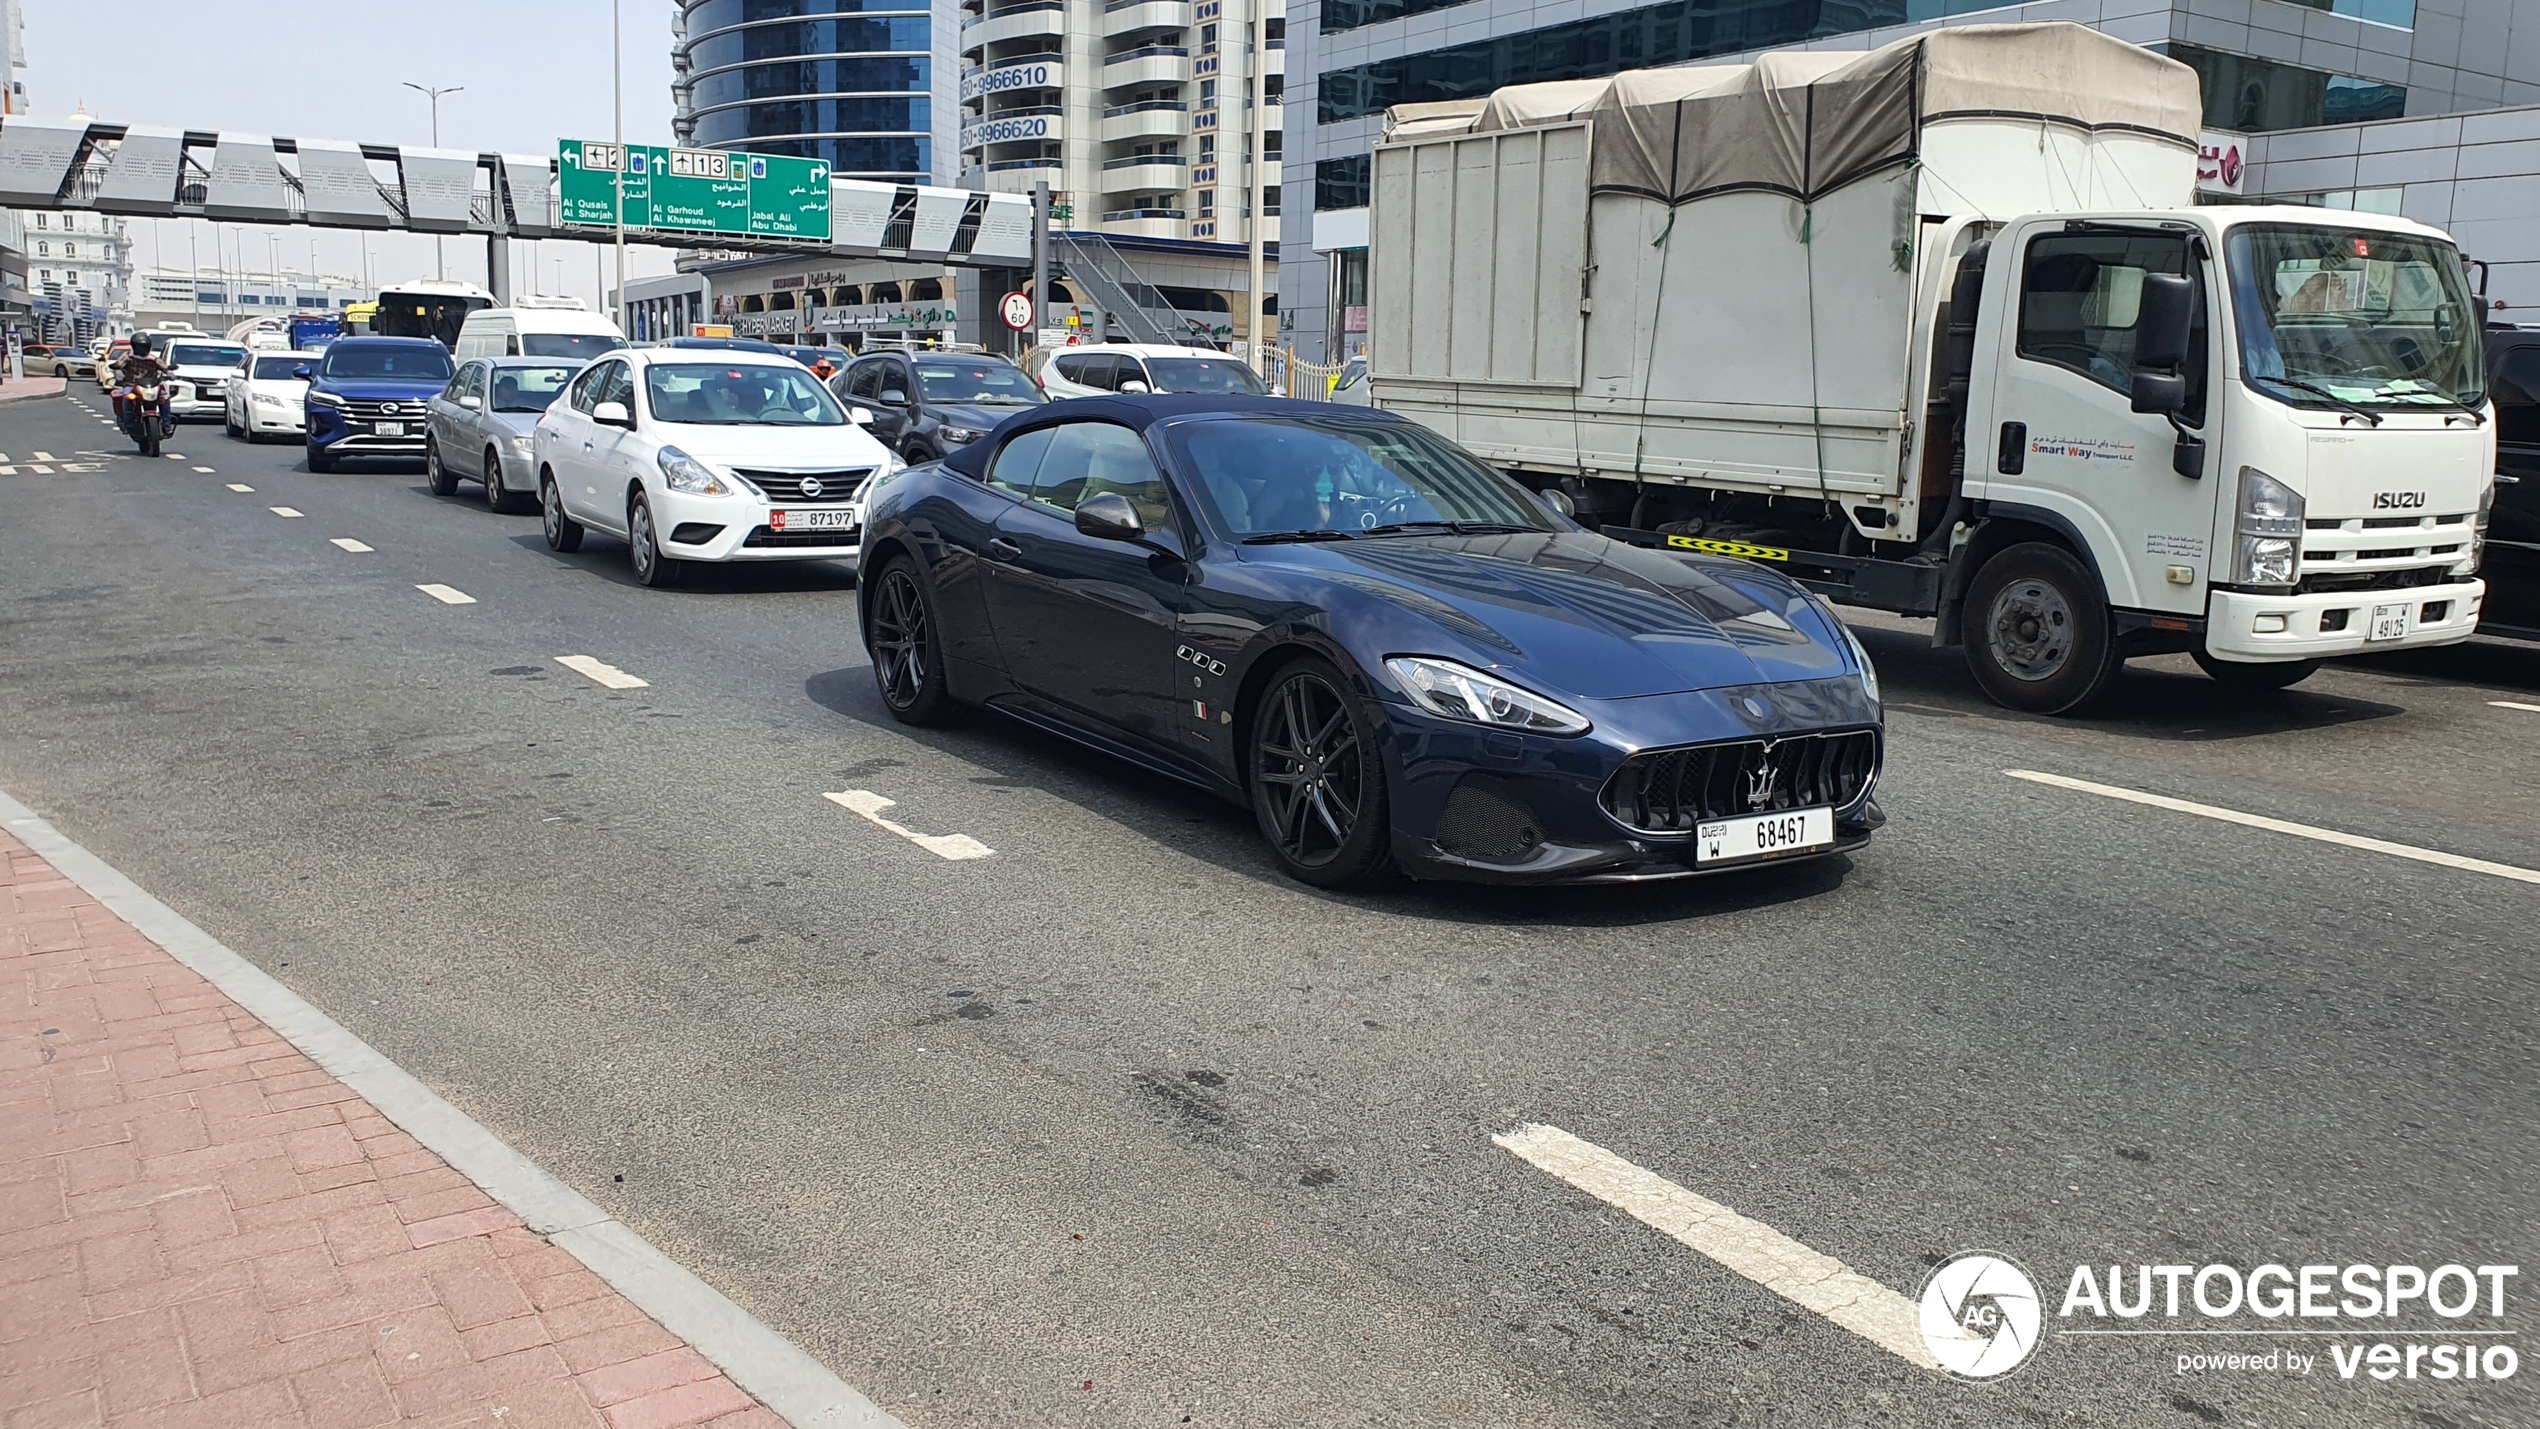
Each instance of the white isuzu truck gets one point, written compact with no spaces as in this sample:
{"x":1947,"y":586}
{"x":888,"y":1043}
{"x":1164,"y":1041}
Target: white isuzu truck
{"x":1940,"y":329}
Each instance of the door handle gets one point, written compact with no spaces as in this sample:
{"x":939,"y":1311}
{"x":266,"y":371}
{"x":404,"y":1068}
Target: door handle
{"x":1003,"y":549}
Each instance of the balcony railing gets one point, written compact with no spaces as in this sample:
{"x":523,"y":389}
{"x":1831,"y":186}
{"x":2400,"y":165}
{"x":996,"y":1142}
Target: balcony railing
{"x":1135,"y":160}
{"x":1045,"y":161}
{"x":1143,"y":107}
{"x":1148,"y":52}
{"x":1124,"y":215}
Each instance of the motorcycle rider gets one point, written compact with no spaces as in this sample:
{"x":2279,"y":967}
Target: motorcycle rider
{"x":138,"y":366}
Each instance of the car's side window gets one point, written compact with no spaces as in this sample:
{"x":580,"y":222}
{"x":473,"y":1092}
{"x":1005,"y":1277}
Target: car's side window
{"x":620,"y":387}
{"x":1071,"y":367}
{"x":895,"y":378}
{"x":2080,"y":299}
{"x":1016,"y":462}
{"x":584,"y":394}
{"x":866,"y":380}
{"x":1130,"y":370}
{"x":1091,"y":458}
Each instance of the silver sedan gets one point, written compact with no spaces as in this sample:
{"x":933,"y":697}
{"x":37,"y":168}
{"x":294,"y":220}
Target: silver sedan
{"x":478,"y":428}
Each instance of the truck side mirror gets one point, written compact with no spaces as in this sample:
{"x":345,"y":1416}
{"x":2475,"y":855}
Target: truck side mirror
{"x":2161,"y":320}
{"x":2160,"y":393}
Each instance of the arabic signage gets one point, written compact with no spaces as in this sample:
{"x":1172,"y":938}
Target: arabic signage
{"x":2220,"y":162}
{"x":871,"y":317}
{"x":693,"y":190}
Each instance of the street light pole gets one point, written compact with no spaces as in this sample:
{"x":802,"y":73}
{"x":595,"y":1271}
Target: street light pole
{"x":440,"y":259}
{"x":617,"y":91}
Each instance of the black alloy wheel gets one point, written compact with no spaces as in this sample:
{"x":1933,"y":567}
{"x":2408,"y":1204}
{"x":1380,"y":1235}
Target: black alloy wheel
{"x":437,"y":473}
{"x":901,"y":639}
{"x":563,"y":532}
{"x":1318,"y":781}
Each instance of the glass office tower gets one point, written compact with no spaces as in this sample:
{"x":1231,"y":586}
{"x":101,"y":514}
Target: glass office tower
{"x":848,"y":81}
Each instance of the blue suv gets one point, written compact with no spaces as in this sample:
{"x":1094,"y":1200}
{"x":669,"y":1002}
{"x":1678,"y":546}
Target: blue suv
{"x":367,"y":397}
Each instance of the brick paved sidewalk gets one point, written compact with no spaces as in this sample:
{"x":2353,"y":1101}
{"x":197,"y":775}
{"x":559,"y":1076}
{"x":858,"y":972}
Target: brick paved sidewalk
{"x":198,"y":1226}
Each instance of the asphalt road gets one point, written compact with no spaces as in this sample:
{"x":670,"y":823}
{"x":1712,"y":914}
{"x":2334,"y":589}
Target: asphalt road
{"x":1119,"y":1127}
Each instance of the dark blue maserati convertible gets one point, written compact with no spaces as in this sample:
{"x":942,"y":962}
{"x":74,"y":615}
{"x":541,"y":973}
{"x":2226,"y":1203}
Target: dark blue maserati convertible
{"x":1395,"y":655}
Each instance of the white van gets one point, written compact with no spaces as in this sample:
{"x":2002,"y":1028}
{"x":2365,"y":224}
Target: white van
{"x":538,"y":327}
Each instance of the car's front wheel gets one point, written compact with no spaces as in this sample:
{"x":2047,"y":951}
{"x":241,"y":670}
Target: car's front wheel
{"x":563,"y":532}
{"x":643,"y":546}
{"x":1318,"y":779}
{"x":906,"y":646}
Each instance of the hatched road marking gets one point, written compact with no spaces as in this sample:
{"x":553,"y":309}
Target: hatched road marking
{"x":44,"y":456}
{"x":285,"y":511}
{"x":234,"y":486}
{"x":1748,"y":1247}
{"x":348,"y":543}
{"x":2281,"y":826}
{"x":2514,"y":705}
{"x":602,"y":671}
{"x":871,"y":805}
{"x":447,"y":595}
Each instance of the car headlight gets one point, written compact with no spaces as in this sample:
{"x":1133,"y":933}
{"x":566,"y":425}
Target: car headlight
{"x":684,"y":473}
{"x":1460,"y":692}
{"x":1869,"y":672}
{"x":267,"y":399}
{"x":2266,"y":546}
{"x":520,"y":443}
{"x":963,"y":436}
{"x":890,"y":463}
{"x":322,"y":399}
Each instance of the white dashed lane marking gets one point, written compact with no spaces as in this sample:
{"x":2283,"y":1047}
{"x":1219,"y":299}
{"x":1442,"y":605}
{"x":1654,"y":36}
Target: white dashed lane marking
{"x":2514,"y":705}
{"x":871,"y":805}
{"x":234,"y":486}
{"x":41,"y":470}
{"x":447,"y":595}
{"x":600,"y":670}
{"x":348,"y":543}
{"x":1748,"y":1247}
{"x":2282,"y":826}
{"x":284,"y":511}
{"x":204,"y":469}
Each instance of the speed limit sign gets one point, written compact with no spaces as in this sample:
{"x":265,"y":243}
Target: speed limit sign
{"x":1017,"y":311}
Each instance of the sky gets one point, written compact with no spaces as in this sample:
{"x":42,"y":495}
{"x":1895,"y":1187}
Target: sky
{"x":534,"y":71}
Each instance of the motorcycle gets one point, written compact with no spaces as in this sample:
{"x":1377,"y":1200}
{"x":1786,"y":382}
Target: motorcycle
{"x":146,"y":418}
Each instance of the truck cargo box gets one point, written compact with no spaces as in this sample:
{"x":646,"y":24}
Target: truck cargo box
{"x":1728,"y":276}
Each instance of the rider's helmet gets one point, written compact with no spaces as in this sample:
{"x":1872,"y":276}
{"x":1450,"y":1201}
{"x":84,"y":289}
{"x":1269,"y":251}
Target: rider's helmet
{"x":141,"y":344}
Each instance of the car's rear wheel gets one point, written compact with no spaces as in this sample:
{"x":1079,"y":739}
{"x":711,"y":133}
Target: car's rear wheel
{"x":498,"y":497}
{"x":643,"y":546}
{"x":228,"y":427}
{"x":906,"y":646}
{"x":2038,"y":634}
{"x":563,"y":532}
{"x":437,"y":473}
{"x":2240,"y":675}
{"x":1318,"y":780}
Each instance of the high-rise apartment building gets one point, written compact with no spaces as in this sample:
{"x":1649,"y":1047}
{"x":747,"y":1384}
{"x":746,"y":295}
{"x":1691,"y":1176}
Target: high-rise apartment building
{"x":2266,"y":65}
{"x":862,"y":84}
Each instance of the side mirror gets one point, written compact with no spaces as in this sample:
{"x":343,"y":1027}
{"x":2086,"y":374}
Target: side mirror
{"x":473,"y":404}
{"x":860,"y":416}
{"x":304,"y":372}
{"x":894,"y":397}
{"x":2160,"y":393}
{"x":1559,"y":502}
{"x":1109,"y":517}
{"x":2161,"y":322}
{"x":1132,"y":385}
{"x":613,"y":414}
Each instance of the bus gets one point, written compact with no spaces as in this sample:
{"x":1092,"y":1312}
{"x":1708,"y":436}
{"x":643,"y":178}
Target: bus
{"x":427,"y":307}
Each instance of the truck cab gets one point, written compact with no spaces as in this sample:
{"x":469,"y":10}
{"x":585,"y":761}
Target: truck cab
{"x":2264,"y":431}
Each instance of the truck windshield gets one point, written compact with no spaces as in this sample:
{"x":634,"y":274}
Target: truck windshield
{"x":2339,"y":317}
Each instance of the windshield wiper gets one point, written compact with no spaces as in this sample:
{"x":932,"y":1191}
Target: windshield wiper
{"x":2316,"y":390}
{"x":1453,"y":528}
{"x":1278,"y":538}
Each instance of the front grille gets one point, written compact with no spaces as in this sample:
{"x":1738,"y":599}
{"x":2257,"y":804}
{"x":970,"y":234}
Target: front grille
{"x":375,"y":411}
{"x":763,"y":537}
{"x":2390,"y":523}
{"x":2385,"y":553}
{"x":837,"y":488}
{"x":1668,"y":791}
{"x":2314,"y":583}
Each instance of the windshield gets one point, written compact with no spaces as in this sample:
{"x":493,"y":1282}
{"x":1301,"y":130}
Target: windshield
{"x":1280,"y":475}
{"x":989,"y":383}
{"x":204,"y":354}
{"x":529,"y":389}
{"x":2336,"y":316}
{"x":413,"y":364}
{"x":584,"y":345}
{"x":720,"y":395}
{"x":276,"y":369}
{"x":1217,"y":375}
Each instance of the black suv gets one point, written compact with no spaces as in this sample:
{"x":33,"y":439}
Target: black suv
{"x":2512,"y":566}
{"x":925,"y":404}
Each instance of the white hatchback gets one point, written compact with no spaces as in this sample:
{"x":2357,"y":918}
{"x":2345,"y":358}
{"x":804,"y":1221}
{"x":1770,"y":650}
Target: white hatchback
{"x":697,"y":455}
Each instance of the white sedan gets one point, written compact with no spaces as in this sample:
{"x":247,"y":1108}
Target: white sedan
{"x":266,"y":396}
{"x":693,"y":456}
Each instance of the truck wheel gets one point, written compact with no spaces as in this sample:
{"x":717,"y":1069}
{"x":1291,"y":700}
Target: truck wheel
{"x":2038,"y":634}
{"x":2243,"y":675}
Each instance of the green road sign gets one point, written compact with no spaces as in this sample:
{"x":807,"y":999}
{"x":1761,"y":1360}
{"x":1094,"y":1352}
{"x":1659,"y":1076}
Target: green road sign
{"x":694,"y":190}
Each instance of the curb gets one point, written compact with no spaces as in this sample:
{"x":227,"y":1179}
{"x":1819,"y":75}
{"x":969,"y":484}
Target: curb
{"x":776,"y":1372}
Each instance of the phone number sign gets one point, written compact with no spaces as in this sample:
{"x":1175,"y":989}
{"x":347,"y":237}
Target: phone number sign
{"x":693,"y":190}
